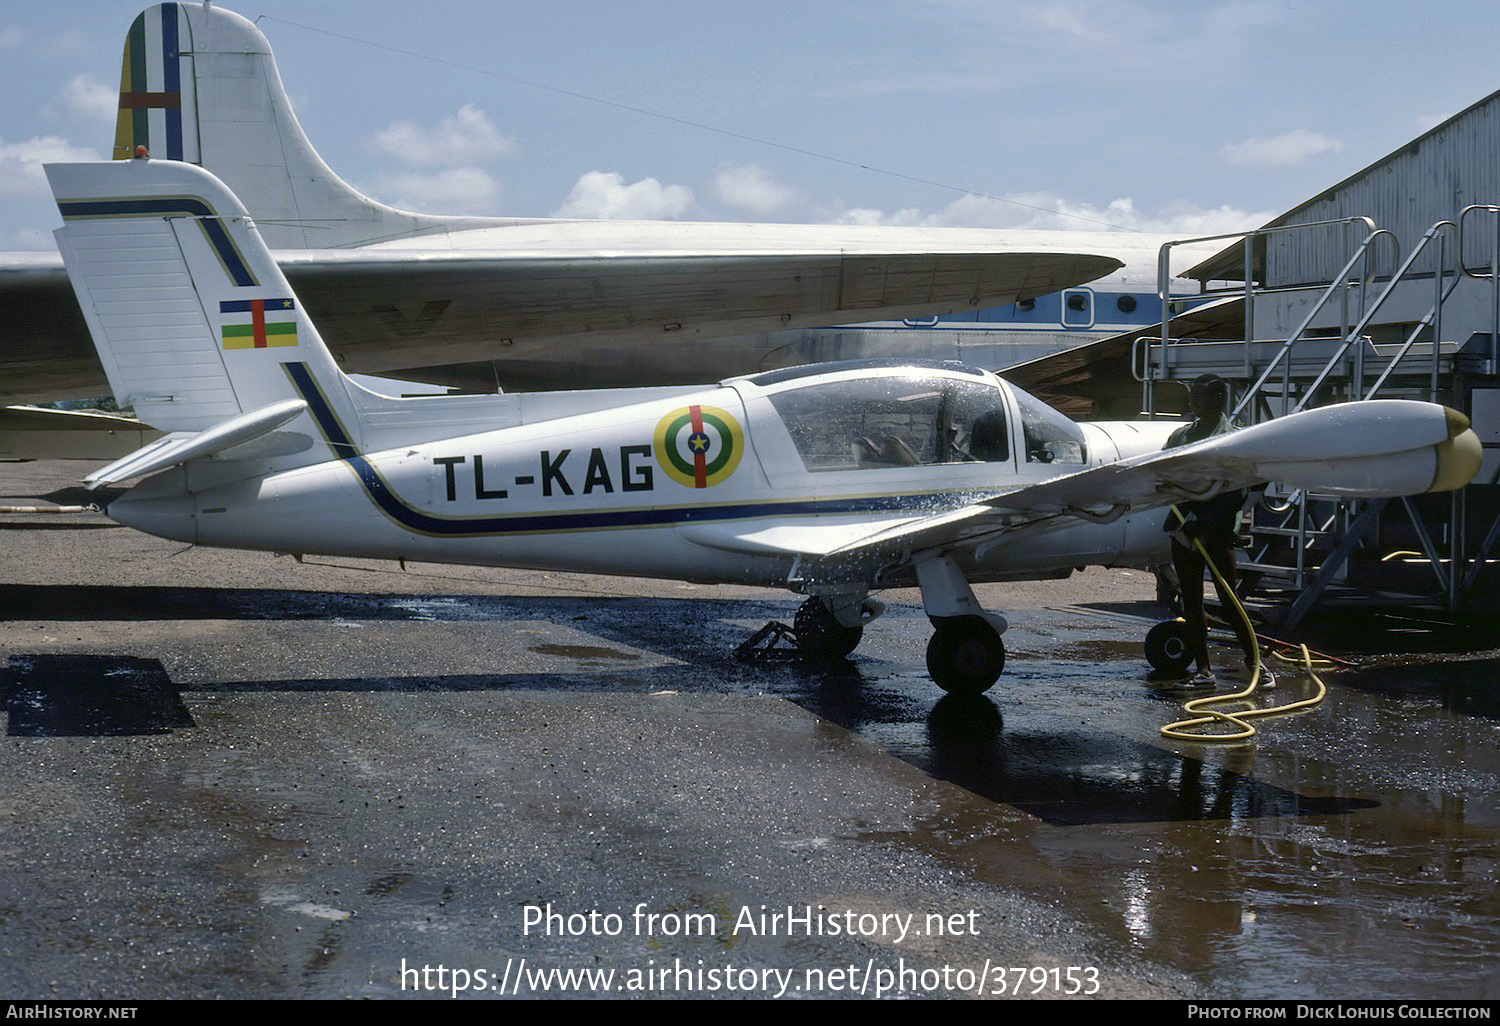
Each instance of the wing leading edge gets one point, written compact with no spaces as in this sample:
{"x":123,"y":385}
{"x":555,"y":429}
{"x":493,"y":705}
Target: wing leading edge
{"x":388,"y":311}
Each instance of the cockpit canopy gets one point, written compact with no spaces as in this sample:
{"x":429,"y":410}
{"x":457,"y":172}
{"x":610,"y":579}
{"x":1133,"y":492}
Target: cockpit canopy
{"x":914,"y":416}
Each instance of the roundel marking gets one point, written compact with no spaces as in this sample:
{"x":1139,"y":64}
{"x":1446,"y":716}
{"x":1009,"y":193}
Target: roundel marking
{"x":699,"y":446}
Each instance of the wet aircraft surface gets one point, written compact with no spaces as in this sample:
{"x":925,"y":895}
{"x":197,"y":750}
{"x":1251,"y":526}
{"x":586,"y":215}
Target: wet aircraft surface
{"x":232,"y":774}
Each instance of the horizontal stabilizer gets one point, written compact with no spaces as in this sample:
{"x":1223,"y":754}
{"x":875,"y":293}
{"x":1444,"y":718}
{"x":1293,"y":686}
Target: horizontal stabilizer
{"x":183,"y":446}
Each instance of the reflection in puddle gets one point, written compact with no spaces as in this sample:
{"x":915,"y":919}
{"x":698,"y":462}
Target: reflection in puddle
{"x":1363,"y":834}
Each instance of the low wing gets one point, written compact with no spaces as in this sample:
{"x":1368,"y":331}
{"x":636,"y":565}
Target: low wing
{"x":1370,"y":449}
{"x":606,"y":303}
{"x":1373,"y":448}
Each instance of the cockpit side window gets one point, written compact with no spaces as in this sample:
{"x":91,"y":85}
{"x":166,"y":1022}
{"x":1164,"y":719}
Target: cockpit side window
{"x":886,"y":422}
{"x":1049,"y":436}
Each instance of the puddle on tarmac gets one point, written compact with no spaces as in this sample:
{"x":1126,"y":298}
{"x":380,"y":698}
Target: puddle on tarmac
{"x":1100,"y":650}
{"x":586,"y":652}
{"x":1359,"y":841}
{"x":87,"y":695}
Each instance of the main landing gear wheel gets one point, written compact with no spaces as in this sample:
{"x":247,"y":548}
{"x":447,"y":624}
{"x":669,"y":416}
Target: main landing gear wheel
{"x":1167,"y":648}
{"x":820,"y":637}
{"x":965,"y":655}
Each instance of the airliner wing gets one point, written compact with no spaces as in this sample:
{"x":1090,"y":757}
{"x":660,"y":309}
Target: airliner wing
{"x":28,"y":432}
{"x":484,"y":301}
{"x":637,"y":308}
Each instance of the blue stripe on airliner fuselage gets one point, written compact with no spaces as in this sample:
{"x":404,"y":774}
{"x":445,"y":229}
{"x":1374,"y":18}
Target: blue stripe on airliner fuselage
{"x":1047,"y":312}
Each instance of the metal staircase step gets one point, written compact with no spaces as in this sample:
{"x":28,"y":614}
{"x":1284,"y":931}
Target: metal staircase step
{"x":1289,"y":532}
{"x":1247,"y":566}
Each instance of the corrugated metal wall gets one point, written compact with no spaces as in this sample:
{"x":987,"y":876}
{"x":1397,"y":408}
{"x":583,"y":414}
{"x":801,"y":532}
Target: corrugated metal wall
{"x":1429,"y":180}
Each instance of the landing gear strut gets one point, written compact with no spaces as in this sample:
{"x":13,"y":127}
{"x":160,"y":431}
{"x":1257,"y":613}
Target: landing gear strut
{"x":966,"y":655}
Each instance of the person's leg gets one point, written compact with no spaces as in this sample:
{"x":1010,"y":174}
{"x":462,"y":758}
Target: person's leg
{"x":1221,"y":551}
{"x":1189,"y":567}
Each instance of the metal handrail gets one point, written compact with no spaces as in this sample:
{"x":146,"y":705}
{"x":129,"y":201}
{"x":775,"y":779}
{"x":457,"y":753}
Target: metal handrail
{"x":1364,"y":322}
{"x":1164,"y":283}
{"x":1432,"y":317}
{"x":1361,"y":252}
{"x":1463,"y":215}
{"x":1493,"y":275}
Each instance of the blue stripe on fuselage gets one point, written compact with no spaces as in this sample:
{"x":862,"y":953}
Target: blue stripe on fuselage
{"x":522,"y":523}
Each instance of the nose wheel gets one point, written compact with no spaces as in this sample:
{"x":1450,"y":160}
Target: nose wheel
{"x":965,"y":656}
{"x":820,"y":636}
{"x":1167,"y":648}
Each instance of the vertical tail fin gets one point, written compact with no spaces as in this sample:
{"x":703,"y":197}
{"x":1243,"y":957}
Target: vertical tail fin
{"x":194,"y":322}
{"x":199,"y":84}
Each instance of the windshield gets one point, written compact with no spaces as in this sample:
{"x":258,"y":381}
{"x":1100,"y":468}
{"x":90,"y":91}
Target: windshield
{"x":1049,"y":436}
{"x":894,"y":421}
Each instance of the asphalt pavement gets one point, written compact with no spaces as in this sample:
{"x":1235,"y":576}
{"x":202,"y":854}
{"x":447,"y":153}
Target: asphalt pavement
{"x":233,"y":774}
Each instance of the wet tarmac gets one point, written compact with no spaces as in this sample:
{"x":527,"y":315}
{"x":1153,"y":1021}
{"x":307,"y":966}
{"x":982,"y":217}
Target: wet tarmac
{"x":231,"y":774}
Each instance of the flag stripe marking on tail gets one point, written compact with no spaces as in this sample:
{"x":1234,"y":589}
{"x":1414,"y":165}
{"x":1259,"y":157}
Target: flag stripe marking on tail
{"x":151,"y":80}
{"x":258,"y":333}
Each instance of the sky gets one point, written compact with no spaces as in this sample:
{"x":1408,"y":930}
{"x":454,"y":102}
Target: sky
{"x":1193,"y":118}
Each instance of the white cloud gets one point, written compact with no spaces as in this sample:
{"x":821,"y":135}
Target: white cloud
{"x":605,"y":194}
{"x":749,"y":188}
{"x":1286,"y":150}
{"x":21,"y":163}
{"x":87,"y":97}
{"x":1070,"y":42}
{"x":458,"y":190}
{"x":871,"y":216}
{"x":465,"y":137}
{"x":1068,"y":20}
{"x":1056,"y":213}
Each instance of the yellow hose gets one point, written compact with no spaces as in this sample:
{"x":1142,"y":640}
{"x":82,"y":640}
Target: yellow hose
{"x":1184,"y":730}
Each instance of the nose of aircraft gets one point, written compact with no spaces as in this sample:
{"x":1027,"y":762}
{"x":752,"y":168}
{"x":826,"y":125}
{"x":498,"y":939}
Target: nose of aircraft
{"x":166,"y":516}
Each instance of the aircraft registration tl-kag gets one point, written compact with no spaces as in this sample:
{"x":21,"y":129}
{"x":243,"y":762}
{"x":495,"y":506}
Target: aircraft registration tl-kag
{"x":834,"y":481}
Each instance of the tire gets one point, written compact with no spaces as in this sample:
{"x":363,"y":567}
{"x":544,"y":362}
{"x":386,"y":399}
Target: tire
{"x":820,"y":637}
{"x":965,"y":656}
{"x":1167,"y":648}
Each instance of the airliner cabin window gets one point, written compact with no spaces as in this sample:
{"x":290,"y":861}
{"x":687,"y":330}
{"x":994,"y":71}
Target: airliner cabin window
{"x":883,"y":423}
{"x":1049,"y":436}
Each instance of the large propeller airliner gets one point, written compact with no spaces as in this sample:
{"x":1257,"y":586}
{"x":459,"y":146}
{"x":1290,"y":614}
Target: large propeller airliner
{"x":536,"y":303}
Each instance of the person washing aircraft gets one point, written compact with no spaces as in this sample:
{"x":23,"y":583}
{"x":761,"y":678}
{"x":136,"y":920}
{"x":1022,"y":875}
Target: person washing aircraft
{"x":1213,"y":523}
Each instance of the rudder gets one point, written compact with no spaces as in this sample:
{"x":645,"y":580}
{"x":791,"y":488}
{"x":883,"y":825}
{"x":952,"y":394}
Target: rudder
{"x":191,"y":315}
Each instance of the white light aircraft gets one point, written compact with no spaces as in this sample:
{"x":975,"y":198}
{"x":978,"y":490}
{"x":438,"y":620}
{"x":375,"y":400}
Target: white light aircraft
{"x":834,"y":481}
